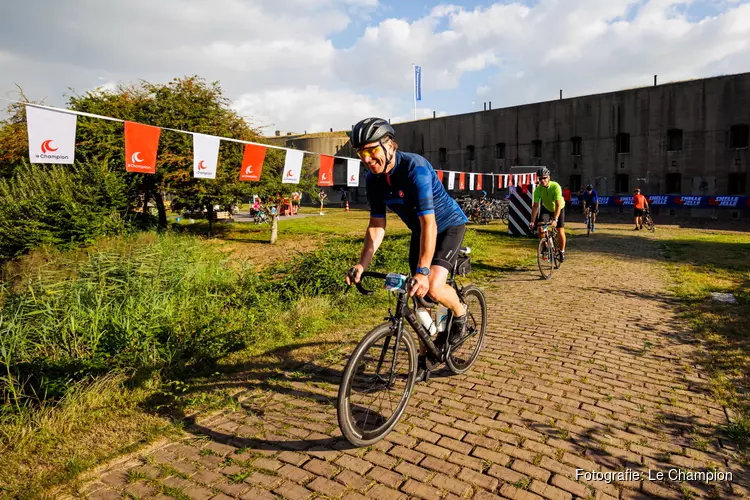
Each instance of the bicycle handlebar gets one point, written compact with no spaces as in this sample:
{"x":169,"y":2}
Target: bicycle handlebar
{"x":352,"y":273}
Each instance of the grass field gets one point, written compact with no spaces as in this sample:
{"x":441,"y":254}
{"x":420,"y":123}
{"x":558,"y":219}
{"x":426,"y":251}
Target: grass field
{"x":48,"y":442}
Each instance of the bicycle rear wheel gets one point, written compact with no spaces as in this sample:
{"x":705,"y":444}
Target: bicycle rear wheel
{"x":461,"y":357}
{"x":545,"y":258}
{"x":370,"y":400}
{"x":649,"y":223}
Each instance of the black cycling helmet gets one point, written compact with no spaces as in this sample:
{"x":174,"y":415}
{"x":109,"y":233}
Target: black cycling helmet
{"x":370,"y":130}
{"x":589,"y":187}
{"x":543,"y":172}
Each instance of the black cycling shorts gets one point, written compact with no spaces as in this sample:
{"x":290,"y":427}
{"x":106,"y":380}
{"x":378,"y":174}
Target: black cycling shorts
{"x":446,"y":248}
{"x":543,"y":211}
{"x":638,"y":212}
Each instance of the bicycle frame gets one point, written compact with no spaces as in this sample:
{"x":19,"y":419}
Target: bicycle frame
{"x":403,"y":311}
{"x":549,"y":235}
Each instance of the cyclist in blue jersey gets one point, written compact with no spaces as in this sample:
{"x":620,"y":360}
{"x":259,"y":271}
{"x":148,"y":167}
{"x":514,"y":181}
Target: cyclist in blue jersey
{"x":591,"y":198}
{"x":407,"y":184}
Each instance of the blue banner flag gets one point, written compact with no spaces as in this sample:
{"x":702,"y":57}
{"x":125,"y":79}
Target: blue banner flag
{"x":417,"y":83}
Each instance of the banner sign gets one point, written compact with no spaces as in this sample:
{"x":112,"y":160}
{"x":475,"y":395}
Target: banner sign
{"x":676,"y":201}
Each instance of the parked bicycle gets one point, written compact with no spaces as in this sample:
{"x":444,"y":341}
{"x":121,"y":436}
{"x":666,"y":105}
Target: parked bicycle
{"x":379,"y":377}
{"x":648,"y":221}
{"x":548,"y":255}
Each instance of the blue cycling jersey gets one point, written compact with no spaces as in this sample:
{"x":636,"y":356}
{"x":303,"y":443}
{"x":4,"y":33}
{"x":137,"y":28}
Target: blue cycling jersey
{"x":412,"y":189}
{"x":590,"y":197}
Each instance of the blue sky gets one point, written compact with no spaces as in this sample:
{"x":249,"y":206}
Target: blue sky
{"x":312,"y":65}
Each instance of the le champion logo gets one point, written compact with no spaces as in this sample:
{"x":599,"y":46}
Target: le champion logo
{"x":47,"y":147}
{"x":136,"y":157}
{"x":201,"y":166}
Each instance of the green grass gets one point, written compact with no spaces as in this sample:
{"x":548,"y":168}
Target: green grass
{"x":94,"y":340}
{"x":702,"y":262}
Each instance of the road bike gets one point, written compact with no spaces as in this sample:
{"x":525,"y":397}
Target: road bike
{"x":547,"y":255}
{"x":648,"y":222}
{"x":379,"y":376}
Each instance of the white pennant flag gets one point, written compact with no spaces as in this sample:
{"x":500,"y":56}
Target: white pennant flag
{"x":292,"y":166}
{"x":52,"y":135}
{"x":205,"y":156}
{"x":451,"y":180}
{"x":471,"y":182}
{"x":352,"y":173}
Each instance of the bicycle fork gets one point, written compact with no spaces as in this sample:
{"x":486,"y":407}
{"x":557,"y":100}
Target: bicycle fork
{"x":403,"y":312}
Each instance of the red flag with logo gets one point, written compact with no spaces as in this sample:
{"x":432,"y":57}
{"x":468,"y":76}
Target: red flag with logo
{"x":440,"y":175}
{"x":325,"y":174}
{"x":141,"y":146}
{"x":461,"y":181}
{"x":479,"y":182}
{"x":252,"y":162}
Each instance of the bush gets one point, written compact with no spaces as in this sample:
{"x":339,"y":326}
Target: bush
{"x":154,"y":302}
{"x":59,"y":205}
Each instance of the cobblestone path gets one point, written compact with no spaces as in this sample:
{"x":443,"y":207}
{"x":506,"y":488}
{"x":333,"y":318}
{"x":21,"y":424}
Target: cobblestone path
{"x":591,"y":370}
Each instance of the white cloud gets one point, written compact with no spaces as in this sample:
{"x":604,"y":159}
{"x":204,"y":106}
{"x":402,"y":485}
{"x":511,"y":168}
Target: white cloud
{"x":276,"y":60}
{"x":310,"y":108}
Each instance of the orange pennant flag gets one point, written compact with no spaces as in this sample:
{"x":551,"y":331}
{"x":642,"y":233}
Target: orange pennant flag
{"x":479,"y":182}
{"x":461,"y":181}
{"x":325,"y":174}
{"x":141,"y":146}
{"x":440,"y":175}
{"x":252,"y":162}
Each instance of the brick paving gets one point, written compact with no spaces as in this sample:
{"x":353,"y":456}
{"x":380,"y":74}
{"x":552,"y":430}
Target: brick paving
{"x":591,"y":370}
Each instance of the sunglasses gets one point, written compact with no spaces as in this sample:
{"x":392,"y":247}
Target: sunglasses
{"x":368,"y":152}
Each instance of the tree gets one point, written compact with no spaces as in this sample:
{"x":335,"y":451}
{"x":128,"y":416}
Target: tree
{"x":189,"y":104}
{"x":13,"y":138}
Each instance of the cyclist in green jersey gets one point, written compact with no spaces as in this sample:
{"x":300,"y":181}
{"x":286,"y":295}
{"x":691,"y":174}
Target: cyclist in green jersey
{"x":548,"y":199}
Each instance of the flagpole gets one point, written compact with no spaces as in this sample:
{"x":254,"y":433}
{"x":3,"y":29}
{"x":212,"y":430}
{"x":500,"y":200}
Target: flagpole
{"x":414,"y":87}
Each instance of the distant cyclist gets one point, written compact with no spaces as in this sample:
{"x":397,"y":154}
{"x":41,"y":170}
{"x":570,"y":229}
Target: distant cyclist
{"x":591,"y":198}
{"x":548,"y":199}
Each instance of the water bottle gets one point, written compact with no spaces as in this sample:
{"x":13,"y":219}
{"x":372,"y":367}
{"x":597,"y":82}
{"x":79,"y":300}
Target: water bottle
{"x":442,"y":317}
{"x":426,"y":319}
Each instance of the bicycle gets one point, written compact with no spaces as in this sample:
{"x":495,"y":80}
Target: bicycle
{"x":648,"y":222}
{"x":547,"y":255}
{"x":383,"y":367}
{"x":589,"y":220}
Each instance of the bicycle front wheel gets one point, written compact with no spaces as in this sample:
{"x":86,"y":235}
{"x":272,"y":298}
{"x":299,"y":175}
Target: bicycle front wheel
{"x":649,"y":223}
{"x":371,"y":397}
{"x":545,"y":258}
{"x":461,"y":357}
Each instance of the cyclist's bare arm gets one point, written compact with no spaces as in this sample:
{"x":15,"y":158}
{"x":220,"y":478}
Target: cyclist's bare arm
{"x":534,"y":210}
{"x":558,"y":208}
{"x":427,"y":240}
{"x":373,"y":238}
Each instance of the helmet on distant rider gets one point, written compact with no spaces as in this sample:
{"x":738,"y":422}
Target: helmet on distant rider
{"x":543,"y":172}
